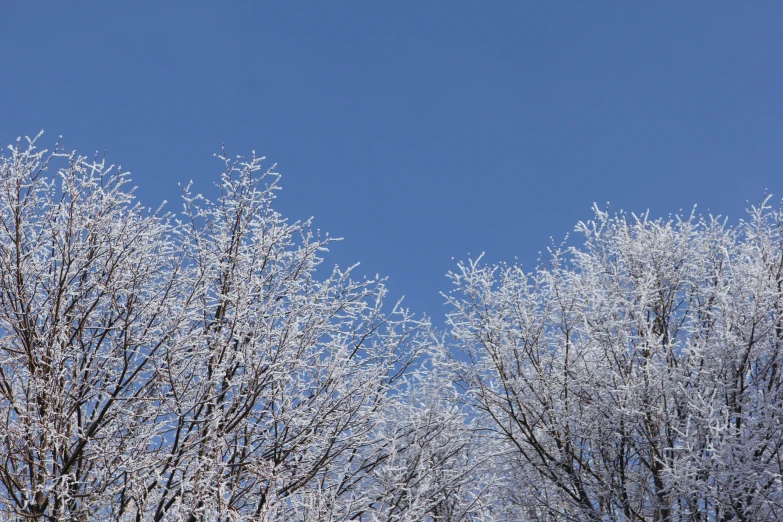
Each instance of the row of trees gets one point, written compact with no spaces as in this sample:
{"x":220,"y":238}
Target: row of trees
{"x":206,"y":365}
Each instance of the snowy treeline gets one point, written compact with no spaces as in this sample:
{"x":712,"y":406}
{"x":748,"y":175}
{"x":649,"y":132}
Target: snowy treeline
{"x":206,"y":365}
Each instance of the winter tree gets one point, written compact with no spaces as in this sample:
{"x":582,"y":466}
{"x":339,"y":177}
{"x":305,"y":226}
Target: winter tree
{"x":205,"y":365}
{"x":636,"y":377}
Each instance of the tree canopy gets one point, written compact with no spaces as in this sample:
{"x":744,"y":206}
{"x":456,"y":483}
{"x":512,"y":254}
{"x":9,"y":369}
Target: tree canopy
{"x":207,"y":365}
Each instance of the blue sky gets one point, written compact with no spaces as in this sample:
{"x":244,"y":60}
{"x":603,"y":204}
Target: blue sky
{"x":418,"y":131}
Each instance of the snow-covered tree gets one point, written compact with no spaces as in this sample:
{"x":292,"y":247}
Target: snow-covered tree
{"x":637,"y":377}
{"x":89,"y":299}
{"x":204,"y":365}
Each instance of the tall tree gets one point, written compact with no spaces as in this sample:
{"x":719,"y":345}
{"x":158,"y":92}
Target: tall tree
{"x":636,"y":377}
{"x":89,"y":298}
{"x":205,"y":365}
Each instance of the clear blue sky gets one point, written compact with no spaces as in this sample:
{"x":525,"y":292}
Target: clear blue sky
{"x":418,"y":131}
